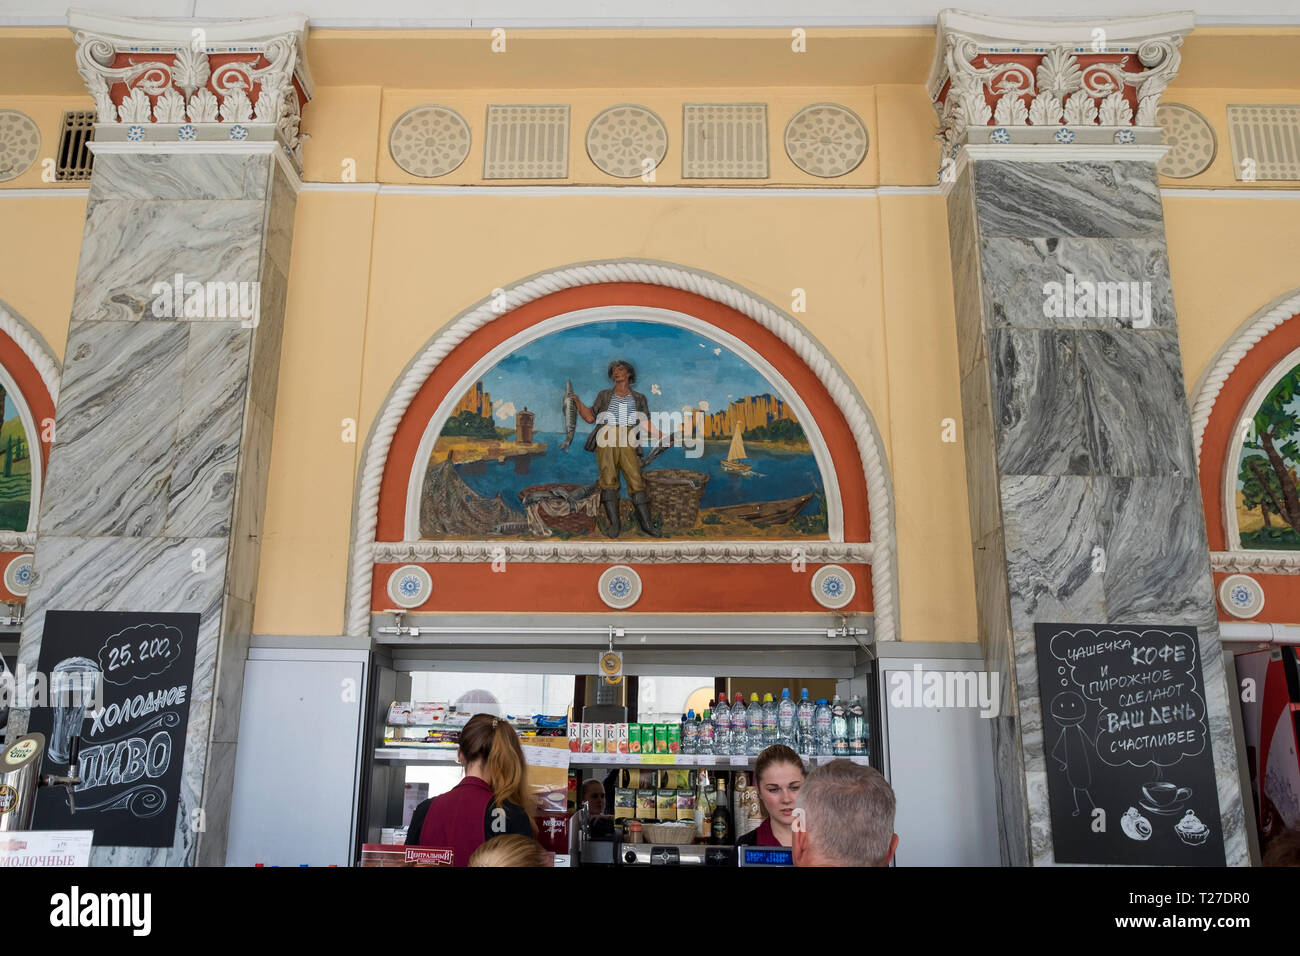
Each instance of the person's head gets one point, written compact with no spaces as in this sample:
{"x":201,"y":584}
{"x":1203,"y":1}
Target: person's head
{"x":779,"y":774}
{"x":593,"y":795}
{"x":621,"y":370}
{"x":490,"y":747}
{"x":847,"y":817}
{"x":1283,"y":849}
{"x":509,"y":849}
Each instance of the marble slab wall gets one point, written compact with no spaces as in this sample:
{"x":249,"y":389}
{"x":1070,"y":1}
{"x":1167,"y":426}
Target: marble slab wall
{"x":1077,"y":436}
{"x":157,"y":478}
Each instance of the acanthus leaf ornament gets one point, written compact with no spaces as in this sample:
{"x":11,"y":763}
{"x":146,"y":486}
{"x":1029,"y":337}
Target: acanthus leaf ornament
{"x":1046,"y":110}
{"x":135,"y":107}
{"x":203,"y":107}
{"x":1058,"y":73}
{"x":236,"y":107}
{"x":170,"y":108}
{"x":1011,"y":110}
{"x":1080,"y":109}
{"x":1115,"y":110}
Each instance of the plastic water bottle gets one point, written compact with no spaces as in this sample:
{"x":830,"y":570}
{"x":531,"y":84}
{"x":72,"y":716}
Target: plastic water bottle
{"x":690,"y":733}
{"x":857,"y":728}
{"x":805,"y":721}
{"x":769,"y":720}
{"x":708,"y":735}
{"x":754,"y":727}
{"x":785,"y":726}
{"x":839,"y":727}
{"x":822,"y":728}
{"x":739,"y":736}
{"x":722,"y":727}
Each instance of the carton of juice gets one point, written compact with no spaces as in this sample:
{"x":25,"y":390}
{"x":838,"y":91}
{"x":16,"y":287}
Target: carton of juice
{"x":624,"y":738}
{"x":588,"y":738}
{"x":634,"y":738}
{"x":661,"y":740}
{"x":674,"y":738}
{"x":575,"y":737}
{"x":598,"y":738}
{"x":611,"y":738}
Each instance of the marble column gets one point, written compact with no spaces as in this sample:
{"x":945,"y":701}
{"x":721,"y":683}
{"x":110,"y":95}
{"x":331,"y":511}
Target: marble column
{"x":156,"y":485}
{"x":1077,"y":431}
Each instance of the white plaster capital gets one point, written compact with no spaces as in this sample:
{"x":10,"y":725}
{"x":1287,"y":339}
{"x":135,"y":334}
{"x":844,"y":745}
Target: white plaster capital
{"x":243,"y":80}
{"x":1021,"y":81}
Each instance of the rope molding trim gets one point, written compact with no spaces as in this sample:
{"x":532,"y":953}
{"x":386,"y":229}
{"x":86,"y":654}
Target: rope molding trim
{"x":1251,"y":334}
{"x":34,"y":347}
{"x":640,"y":552}
{"x":850,"y":404}
{"x":1261,"y":562}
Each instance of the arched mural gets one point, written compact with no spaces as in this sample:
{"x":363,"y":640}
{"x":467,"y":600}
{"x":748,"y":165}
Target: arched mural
{"x":15,"y":459}
{"x":625,"y":426}
{"x":1267,"y":499}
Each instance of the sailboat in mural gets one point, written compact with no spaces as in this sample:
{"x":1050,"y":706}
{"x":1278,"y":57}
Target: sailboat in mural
{"x":735,"y":460}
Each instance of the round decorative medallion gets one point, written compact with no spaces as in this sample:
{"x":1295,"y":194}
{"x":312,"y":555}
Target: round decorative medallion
{"x":1191,"y":139}
{"x":20,"y":142}
{"x":826,"y":140}
{"x":620,"y":587}
{"x":239,"y":131}
{"x":187,"y":132}
{"x":19,"y":575}
{"x":1125,"y":137}
{"x":1064,"y":135}
{"x":1241,"y":595}
{"x":410,"y":585}
{"x":135,"y":133}
{"x":1000,"y":135}
{"x":622,"y":138}
{"x":833,"y":586}
{"x":429,"y":141}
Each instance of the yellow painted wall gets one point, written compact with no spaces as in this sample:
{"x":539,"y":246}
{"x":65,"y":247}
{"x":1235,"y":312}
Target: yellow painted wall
{"x":376,"y":274}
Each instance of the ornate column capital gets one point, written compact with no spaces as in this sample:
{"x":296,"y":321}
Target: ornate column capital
{"x":1026,"y":81}
{"x":170,"y":81}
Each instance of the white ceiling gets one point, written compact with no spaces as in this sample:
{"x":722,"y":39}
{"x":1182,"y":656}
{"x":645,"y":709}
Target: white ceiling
{"x":484,"y":13}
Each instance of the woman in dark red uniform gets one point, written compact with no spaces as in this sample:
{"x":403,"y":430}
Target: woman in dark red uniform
{"x":490,"y":801}
{"x":779,"y":773}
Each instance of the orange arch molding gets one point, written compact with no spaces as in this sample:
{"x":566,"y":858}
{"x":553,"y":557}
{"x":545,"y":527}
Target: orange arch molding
{"x":1229,"y":410}
{"x":539,"y":587}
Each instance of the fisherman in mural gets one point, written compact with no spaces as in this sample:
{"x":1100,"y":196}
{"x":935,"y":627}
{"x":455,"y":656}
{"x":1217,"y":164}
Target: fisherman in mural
{"x":622,"y":417}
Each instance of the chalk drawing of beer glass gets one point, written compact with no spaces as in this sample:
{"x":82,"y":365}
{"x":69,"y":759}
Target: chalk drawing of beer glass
{"x":72,"y":688}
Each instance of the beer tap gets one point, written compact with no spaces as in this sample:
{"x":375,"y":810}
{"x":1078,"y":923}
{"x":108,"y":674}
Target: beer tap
{"x":73,"y":777}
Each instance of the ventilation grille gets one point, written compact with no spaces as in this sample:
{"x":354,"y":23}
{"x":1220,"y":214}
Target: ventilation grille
{"x":75,"y":158}
{"x":1269,"y":138}
{"x":724,"y":141}
{"x":526,"y":142}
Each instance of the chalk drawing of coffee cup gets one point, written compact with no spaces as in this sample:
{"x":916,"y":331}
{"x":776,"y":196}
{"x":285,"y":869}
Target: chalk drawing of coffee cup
{"x":1165,"y":797}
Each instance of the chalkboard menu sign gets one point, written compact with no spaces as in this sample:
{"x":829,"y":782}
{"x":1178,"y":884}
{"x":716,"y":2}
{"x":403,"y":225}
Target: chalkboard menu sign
{"x":1130,"y":771}
{"x":133,"y":743}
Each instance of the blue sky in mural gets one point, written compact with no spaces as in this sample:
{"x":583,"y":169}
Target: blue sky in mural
{"x":675,"y":367}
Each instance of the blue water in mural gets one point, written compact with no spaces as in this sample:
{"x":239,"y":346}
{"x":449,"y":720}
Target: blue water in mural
{"x":777,"y":474}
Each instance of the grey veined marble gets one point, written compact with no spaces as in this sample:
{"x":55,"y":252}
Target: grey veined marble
{"x":1038,"y":200}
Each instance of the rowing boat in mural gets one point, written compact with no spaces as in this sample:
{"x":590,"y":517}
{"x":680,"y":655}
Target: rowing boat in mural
{"x":622,"y":429}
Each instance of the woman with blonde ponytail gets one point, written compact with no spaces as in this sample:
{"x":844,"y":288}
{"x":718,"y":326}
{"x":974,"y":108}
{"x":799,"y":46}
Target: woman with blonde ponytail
{"x":493,"y":799}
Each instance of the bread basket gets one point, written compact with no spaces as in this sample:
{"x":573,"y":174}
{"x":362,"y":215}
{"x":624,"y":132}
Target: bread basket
{"x":669,"y":834}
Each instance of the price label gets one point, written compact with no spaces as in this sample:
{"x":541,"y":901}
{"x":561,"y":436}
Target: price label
{"x":739,"y":761}
{"x":706,"y":760}
{"x":659,"y":759}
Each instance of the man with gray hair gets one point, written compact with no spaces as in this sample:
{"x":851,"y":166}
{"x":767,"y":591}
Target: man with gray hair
{"x":845,"y":817}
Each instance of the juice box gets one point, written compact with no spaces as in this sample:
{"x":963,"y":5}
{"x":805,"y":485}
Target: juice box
{"x":634,"y":738}
{"x":598,"y":738}
{"x":674,"y":738}
{"x":661,"y":738}
{"x":575,"y":737}
{"x":611,"y":738}
{"x":624,"y":738}
{"x":588,"y":738}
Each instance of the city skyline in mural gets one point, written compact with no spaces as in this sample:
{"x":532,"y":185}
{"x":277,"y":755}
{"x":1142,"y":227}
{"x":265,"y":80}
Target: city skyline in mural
{"x":513,"y":458}
{"x":1267,"y":485}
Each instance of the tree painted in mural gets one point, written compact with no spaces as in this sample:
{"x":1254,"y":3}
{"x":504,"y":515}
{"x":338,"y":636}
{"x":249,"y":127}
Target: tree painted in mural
{"x":1268,"y":503}
{"x":15,"y":468}
{"x":622,"y":429}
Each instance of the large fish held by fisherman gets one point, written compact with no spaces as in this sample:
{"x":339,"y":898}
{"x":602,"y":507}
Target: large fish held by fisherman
{"x":570,"y":409}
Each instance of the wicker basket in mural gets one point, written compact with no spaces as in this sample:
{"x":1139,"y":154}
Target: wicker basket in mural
{"x":570,"y":523}
{"x":675,"y":495}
